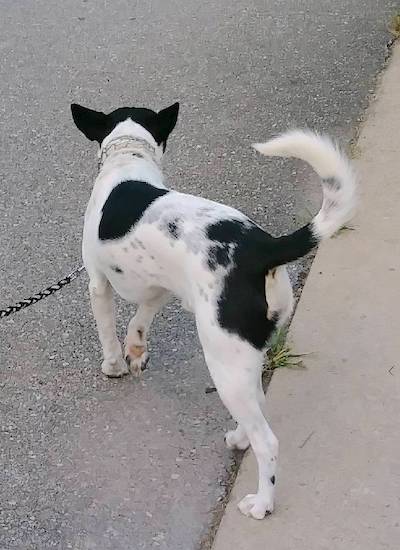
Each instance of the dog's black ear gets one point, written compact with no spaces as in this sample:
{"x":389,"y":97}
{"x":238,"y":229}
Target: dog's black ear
{"x":164,"y":122}
{"x":92,"y":123}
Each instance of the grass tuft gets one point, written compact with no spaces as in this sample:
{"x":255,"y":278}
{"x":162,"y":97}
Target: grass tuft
{"x":342,"y":230}
{"x":280,"y":355}
{"x":354,"y":150}
{"x":394,"y":26}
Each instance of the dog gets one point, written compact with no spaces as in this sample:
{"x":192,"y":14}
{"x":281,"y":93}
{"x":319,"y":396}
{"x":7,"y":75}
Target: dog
{"x":148,"y":243}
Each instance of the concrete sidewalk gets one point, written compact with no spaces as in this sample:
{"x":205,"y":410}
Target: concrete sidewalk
{"x":338,"y":421}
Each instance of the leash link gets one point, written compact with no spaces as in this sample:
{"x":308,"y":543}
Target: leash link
{"x":42,"y":294}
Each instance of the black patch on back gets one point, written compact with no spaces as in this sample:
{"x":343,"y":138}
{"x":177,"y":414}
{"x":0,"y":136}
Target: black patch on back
{"x":242,"y":306}
{"x":173,"y":229}
{"x":226,"y":231}
{"x":116,"y":269}
{"x":218,"y":254}
{"x":272,"y":480}
{"x":125,"y":206}
{"x":224,"y":234}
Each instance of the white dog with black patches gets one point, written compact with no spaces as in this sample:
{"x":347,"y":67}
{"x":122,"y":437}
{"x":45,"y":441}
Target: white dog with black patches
{"x":148,"y":243}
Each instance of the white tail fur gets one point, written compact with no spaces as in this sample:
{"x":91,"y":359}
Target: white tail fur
{"x":338,"y":180}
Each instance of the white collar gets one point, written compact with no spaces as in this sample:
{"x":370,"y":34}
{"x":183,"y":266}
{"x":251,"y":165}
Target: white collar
{"x":130,"y":145}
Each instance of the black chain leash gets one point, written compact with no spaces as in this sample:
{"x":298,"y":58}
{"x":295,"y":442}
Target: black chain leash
{"x":42,"y":294}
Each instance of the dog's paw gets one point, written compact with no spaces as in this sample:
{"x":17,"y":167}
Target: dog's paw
{"x":256,"y":506}
{"x":235,"y":439}
{"x":136,"y":358}
{"x":114,"y":368}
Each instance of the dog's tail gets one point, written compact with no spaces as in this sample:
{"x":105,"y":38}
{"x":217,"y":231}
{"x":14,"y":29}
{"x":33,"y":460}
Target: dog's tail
{"x":338,"y":184}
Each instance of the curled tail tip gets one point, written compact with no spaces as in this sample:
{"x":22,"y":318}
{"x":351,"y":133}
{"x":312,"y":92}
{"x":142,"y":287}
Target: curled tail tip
{"x":324,"y":155}
{"x":284,"y":144}
{"x":268,"y":148}
{"x":258,"y":147}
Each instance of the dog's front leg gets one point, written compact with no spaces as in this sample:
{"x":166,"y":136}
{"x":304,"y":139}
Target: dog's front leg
{"x":136,"y":337}
{"x":103,"y":310}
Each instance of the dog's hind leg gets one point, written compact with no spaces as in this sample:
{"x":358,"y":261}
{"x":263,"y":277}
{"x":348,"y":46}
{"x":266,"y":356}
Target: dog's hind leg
{"x":237,"y":439}
{"x":279,"y":296}
{"x":136,"y":354}
{"x":103,"y":310}
{"x":235,"y":367}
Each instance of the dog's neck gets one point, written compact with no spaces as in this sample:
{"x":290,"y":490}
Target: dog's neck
{"x":132,"y":146}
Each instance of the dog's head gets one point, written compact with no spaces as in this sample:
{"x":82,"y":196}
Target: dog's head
{"x":97,"y":126}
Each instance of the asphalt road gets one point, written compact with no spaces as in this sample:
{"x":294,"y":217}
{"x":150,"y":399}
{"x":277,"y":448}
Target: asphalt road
{"x":89,"y":463}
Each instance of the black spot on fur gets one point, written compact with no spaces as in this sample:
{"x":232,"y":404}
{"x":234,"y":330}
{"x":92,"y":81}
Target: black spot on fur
{"x":218,"y":255}
{"x":173,"y":229}
{"x":125,"y":206}
{"x":116,"y":269}
{"x":242,"y":306}
{"x":272,"y":480}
